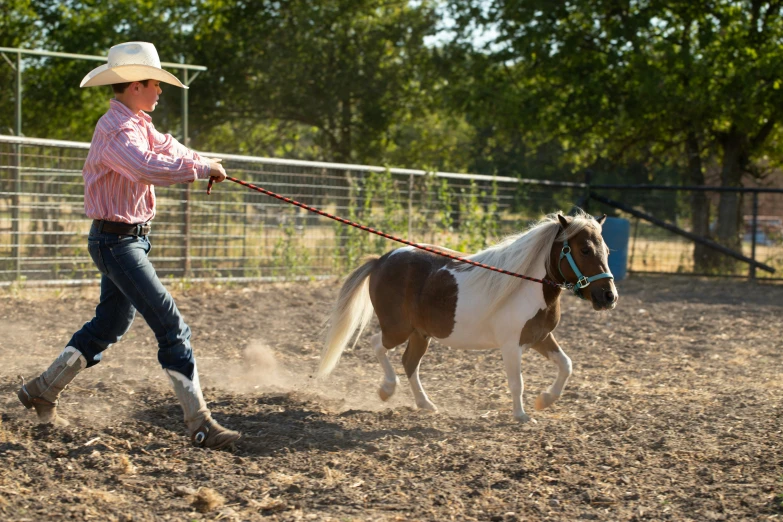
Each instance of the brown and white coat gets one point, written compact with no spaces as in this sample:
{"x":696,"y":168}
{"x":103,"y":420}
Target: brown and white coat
{"x":418,"y":296}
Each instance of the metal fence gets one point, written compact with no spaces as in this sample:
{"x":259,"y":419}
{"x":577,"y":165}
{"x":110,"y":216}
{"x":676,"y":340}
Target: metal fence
{"x":241,"y":235}
{"x":656,"y":246}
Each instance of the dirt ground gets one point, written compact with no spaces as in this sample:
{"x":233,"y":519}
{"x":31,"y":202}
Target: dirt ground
{"x":673,"y":413}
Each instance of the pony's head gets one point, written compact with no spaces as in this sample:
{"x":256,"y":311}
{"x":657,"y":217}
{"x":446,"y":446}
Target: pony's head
{"x":580,"y":257}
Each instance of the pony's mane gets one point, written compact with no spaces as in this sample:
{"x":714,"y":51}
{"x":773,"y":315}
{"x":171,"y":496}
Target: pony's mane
{"x":526,"y":253}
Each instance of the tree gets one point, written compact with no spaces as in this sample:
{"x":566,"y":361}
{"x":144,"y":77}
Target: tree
{"x":54,"y":106}
{"x":623,"y":78}
{"x":347,"y":68}
{"x":17,"y":27}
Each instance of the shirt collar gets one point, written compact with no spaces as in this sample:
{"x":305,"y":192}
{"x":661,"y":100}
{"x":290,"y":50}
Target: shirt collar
{"x":116,"y":105}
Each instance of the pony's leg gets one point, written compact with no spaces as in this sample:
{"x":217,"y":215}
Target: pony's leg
{"x":549,"y":348}
{"x":390,"y":379}
{"x":512,"y":360}
{"x":411,"y":359}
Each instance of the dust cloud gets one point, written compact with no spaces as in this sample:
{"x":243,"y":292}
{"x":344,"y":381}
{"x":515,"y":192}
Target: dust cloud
{"x":262,"y":369}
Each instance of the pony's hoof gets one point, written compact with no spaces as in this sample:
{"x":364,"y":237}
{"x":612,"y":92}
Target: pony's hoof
{"x":386,"y":391}
{"x":544,"y":401}
{"x":524,"y":418}
{"x":427,"y":408}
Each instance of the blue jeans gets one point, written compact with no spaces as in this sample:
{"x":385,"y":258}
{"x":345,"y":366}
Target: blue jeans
{"x":129,"y":283}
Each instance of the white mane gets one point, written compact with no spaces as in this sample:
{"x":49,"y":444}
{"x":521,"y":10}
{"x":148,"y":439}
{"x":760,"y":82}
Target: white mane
{"x":521,"y":253}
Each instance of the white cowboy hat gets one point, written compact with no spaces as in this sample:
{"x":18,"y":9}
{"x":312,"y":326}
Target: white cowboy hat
{"x":130,"y":62}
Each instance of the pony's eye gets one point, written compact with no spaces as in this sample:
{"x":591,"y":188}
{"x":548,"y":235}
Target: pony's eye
{"x":586,"y":251}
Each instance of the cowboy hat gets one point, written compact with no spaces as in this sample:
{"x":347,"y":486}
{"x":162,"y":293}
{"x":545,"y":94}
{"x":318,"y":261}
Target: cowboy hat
{"x":130,"y":62}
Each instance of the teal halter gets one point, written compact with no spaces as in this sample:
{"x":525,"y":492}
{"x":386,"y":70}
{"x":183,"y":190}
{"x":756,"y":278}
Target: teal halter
{"x":581,"y":280}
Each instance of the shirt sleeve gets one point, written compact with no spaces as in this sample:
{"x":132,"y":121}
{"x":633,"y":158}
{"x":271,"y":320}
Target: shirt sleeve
{"x":167,"y":145}
{"x":128,"y":153}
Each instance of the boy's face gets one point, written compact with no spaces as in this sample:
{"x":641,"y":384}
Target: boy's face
{"x":148,"y":96}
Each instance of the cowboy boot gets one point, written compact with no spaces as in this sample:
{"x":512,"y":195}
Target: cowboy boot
{"x":204,"y":431}
{"x":43,"y":392}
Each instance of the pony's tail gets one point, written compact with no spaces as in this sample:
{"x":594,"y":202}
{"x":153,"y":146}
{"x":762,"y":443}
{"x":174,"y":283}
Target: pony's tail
{"x":353,"y":310}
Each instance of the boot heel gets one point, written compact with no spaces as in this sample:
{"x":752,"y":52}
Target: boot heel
{"x":24,"y":398}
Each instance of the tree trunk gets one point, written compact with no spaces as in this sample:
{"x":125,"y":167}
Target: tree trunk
{"x":735,"y":157}
{"x":705,"y":260}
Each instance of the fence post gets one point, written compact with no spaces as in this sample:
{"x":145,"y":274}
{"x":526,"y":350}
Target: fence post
{"x":186,"y":262}
{"x":16,"y":213}
{"x":753,"y":234}
{"x":16,"y":218}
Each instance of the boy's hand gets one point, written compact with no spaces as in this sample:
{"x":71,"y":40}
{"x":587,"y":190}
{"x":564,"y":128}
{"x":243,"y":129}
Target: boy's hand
{"x":216,"y":170}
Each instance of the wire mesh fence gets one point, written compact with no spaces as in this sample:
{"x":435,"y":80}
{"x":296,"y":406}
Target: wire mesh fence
{"x":241,"y":235}
{"x":654,"y":249}
{"x":237,"y":233}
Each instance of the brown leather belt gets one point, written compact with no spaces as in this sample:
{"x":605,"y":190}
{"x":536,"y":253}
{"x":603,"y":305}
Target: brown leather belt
{"x":125,"y":229}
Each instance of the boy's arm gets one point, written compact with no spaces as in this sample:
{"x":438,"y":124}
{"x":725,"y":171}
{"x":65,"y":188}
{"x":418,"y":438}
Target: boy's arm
{"x":128,"y":153}
{"x":168,"y":144}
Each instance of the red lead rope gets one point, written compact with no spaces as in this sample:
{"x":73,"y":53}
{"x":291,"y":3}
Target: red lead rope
{"x":382,"y":234}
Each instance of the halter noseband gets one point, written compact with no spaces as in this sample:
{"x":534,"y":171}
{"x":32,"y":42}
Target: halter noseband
{"x":581,"y":280}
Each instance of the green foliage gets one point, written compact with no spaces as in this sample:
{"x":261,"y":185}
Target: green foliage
{"x":339,"y":80}
{"x":383,"y":208}
{"x":446,"y":205}
{"x":351,"y":239}
{"x":382,"y":205}
{"x":289,"y":257}
{"x":672,"y":86}
{"x":17,"y":23}
{"x":555,"y":89}
{"x":664,"y":92}
{"x":17,"y":29}
{"x":17,"y":286}
{"x":250,"y":137}
{"x":433,"y":140}
{"x":625,"y":79}
{"x":424,"y":194}
{"x":478,"y":225}
{"x":53,"y":104}
{"x":378,"y":204}
{"x":345,"y":68}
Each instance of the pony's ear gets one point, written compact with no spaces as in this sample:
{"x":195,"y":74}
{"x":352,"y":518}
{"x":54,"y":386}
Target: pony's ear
{"x":601,"y":219}
{"x":563,"y":221}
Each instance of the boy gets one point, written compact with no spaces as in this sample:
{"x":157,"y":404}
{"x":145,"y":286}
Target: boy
{"x":127,"y":158}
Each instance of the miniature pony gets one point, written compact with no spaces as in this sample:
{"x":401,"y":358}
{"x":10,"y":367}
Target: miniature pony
{"x":418,"y":296}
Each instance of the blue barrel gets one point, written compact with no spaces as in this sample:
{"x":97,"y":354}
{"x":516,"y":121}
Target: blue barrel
{"x":616,"y":233}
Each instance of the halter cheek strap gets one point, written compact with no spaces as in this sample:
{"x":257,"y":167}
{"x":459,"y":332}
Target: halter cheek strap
{"x":581,"y":280}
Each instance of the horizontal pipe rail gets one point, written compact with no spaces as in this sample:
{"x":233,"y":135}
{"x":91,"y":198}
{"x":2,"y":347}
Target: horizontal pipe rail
{"x":92,"y":57}
{"x":671,"y":228}
{"x":691,"y":188}
{"x":42,"y":222}
{"x":316,"y":164}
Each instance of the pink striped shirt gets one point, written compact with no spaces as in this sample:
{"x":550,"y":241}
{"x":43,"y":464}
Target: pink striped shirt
{"x":127,"y":158}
